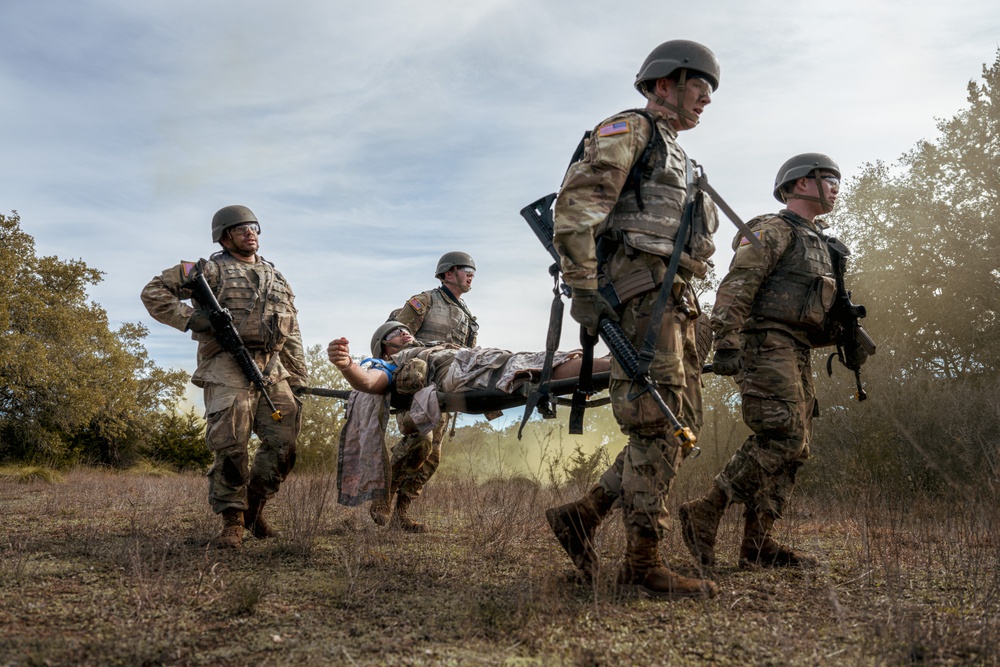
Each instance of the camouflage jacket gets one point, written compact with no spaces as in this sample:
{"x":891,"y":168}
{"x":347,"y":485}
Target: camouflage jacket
{"x":263,"y":310}
{"x":738,"y":292}
{"x":591,"y":199}
{"x":437,"y":316}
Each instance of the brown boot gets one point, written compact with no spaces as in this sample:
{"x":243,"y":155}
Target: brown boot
{"x":401,"y":518}
{"x":231,"y":536}
{"x":759,"y":549}
{"x":644,"y":572}
{"x":254,"y":519}
{"x":700,"y":523}
{"x":379,"y":510}
{"x":574,"y":525}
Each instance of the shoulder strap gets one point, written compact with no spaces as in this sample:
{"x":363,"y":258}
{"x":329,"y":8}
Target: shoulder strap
{"x":640,"y":165}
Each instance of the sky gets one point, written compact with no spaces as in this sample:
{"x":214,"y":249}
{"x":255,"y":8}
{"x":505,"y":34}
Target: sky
{"x":371,"y":139}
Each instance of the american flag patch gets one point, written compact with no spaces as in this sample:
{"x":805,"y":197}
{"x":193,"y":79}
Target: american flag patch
{"x":187,"y":268}
{"x":759,"y":235}
{"x":611,"y":129}
{"x":416,"y":305}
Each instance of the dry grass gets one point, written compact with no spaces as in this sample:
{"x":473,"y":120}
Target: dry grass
{"x":115,"y":569}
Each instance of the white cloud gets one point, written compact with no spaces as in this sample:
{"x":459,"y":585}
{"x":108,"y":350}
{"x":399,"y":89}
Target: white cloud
{"x":372,"y":138}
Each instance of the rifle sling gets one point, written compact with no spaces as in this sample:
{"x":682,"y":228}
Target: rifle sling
{"x":585,"y":385}
{"x":730,"y":213}
{"x":539,"y":396}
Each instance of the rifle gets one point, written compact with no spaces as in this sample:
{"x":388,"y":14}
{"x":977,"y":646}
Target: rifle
{"x":846,"y":316}
{"x":227,"y":335}
{"x":539,"y":217}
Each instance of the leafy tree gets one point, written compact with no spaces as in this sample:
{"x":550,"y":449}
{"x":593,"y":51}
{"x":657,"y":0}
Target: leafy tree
{"x":322,"y":418}
{"x":70,"y":387}
{"x":924,"y":234}
{"x":179,"y":441}
{"x":925,"y":240}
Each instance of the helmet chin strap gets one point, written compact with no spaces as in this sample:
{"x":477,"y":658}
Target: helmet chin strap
{"x":821,"y":200}
{"x":683,"y":113}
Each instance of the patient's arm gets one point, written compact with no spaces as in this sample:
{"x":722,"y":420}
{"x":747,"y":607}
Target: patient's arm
{"x":368,"y":380}
{"x":571,"y":367}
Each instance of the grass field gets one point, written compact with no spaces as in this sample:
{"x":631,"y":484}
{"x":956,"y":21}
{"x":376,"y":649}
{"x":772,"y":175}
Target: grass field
{"x":104,"y":568}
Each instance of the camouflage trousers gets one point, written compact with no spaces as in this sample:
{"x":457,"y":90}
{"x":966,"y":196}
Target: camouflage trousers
{"x":415,"y":457}
{"x":232,"y":414}
{"x":643,"y":472}
{"x":779,"y":404}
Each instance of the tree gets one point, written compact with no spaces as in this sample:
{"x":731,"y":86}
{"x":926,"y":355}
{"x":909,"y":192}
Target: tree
{"x":179,"y":441}
{"x":925,"y":240}
{"x":322,"y":418}
{"x":70,"y":387}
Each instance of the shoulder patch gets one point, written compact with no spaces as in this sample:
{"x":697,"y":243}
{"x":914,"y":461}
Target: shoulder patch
{"x":759,"y":234}
{"x":611,"y":129}
{"x":417,"y":305}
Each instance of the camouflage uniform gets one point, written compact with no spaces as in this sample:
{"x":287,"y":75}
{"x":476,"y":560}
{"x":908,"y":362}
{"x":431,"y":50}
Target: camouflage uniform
{"x":594,"y":201}
{"x":772,"y":304}
{"x":434,"y":316}
{"x":264,"y":313}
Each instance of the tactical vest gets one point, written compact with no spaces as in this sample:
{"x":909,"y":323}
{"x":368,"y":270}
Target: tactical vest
{"x":654,"y":228}
{"x":447,"y":322}
{"x":802,"y":288}
{"x":260,"y":300}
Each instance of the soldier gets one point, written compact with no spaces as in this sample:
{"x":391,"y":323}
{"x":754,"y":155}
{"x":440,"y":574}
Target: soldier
{"x":264,"y":313}
{"x":435,"y":316}
{"x":770,"y":312}
{"x":618,"y":213}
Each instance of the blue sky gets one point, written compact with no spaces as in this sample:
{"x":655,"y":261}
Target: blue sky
{"x":371,"y":138}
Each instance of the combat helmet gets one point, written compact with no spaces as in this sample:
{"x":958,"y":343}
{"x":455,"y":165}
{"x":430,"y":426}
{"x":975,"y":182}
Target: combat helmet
{"x":380,"y":334}
{"x":677,"y":54}
{"x":452,"y":259}
{"x":800,"y":166}
{"x":230,"y":216}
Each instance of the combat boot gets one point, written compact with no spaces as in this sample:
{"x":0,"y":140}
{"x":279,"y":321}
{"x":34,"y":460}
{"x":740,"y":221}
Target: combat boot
{"x":254,"y":519}
{"x":380,"y":509}
{"x":759,"y":549}
{"x":231,"y":536}
{"x":643,"y":572}
{"x":401,"y":517}
{"x":700,"y":524}
{"x":574,"y":525}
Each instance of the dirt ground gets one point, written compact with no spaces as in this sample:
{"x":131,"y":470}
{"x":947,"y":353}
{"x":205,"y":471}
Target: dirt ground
{"x":107,"y":569}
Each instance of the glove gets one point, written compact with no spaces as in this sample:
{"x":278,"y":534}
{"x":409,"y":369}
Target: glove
{"x":589,"y":307}
{"x":199,"y":322}
{"x":855,"y":355}
{"x":727,"y":362}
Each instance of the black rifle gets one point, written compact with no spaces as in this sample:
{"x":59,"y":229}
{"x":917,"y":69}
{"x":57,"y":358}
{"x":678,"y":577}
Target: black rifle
{"x":846,"y":317}
{"x":539,"y":217}
{"x":227,"y":335}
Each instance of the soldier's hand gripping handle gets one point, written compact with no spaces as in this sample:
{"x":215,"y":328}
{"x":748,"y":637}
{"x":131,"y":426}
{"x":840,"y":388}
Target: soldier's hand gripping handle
{"x":589,"y":307}
{"x":727,"y":362}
